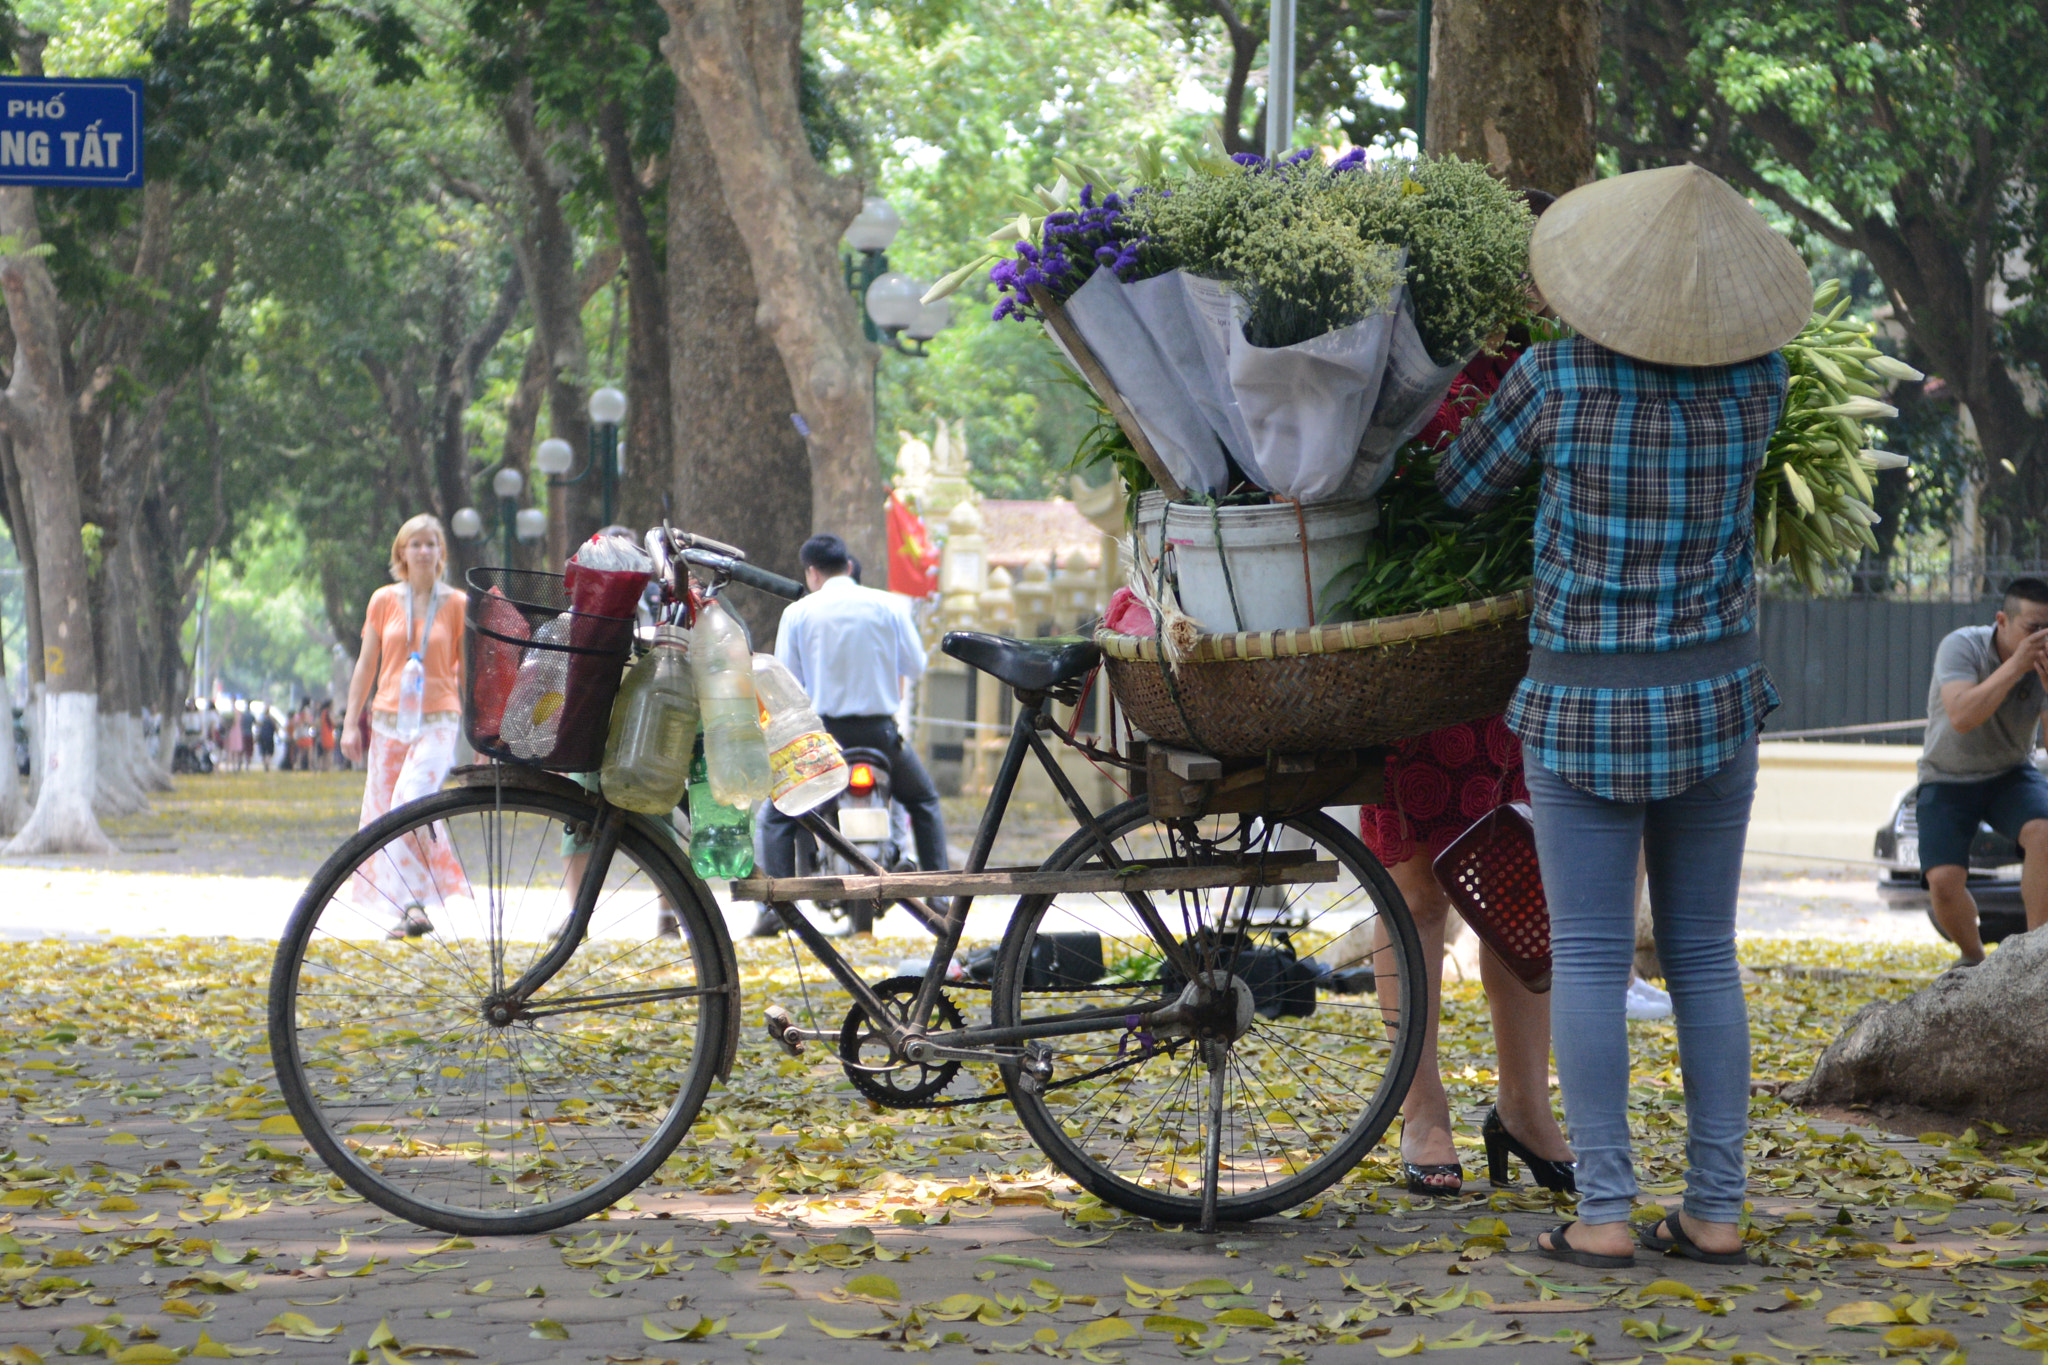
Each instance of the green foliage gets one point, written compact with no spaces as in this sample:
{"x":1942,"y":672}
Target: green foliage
{"x":267,"y":627}
{"x":960,"y":105}
{"x":1424,"y":555}
{"x":1467,"y":237}
{"x":1280,"y":237}
{"x":1916,"y":135}
{"x":1354,"y":63}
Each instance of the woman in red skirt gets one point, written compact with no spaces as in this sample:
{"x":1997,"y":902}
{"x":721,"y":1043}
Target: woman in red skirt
{"x":1437,"y":785}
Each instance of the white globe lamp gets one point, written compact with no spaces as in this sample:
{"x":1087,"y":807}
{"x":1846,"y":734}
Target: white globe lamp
{"x":554,"y":457}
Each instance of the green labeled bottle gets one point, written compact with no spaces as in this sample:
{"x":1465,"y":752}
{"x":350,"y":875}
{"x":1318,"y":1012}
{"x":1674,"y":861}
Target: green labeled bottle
{"x":721,"y":836}
{"x":653,"y":728}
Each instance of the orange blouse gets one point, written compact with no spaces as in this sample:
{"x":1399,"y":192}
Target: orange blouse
{"x":384,"y":633}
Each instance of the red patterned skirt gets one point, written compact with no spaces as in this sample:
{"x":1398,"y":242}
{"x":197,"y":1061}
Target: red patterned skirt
{"x":1438,"y":784}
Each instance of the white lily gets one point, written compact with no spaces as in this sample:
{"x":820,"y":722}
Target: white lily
{"x":1883,"y":459}
{"x":1892,"y":368}
{"x":1861,"y":409}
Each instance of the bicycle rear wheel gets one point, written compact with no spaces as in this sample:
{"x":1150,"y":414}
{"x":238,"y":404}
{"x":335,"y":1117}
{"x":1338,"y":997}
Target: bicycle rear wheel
{"x":387,"y":1051}
{"x":1307,"y":1086}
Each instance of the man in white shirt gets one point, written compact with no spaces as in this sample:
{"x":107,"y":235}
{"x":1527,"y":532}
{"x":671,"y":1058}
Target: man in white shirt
{"x":853,"y":649}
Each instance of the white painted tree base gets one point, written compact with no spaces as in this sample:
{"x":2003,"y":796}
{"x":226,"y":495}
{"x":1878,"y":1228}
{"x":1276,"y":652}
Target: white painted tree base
{"x":63,"y":820}
{"x":116,"y":791}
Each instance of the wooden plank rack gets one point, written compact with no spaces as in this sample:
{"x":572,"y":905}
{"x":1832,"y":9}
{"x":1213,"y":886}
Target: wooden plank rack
{"x":1281,"y":867}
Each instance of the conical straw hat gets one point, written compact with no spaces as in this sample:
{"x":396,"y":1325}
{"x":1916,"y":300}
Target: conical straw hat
{"x":1671,"y":266}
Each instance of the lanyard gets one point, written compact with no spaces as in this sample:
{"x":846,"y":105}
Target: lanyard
{"x":433,"y":608}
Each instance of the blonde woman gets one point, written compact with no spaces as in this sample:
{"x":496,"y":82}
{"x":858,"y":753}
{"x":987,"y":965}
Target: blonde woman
{"x":419,"y":613}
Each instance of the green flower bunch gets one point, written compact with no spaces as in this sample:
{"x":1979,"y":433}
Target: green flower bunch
{"x":1277,"y":236}
{"x":1467,"y":237}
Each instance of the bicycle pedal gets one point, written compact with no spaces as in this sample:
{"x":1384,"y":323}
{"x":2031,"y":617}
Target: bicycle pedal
{"x":782,"y":1030}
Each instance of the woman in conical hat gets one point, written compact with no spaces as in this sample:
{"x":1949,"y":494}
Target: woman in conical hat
{"x":1645,"y":692}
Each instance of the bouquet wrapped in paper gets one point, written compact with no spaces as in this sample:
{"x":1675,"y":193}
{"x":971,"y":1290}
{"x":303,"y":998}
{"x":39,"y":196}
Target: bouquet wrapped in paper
{"x":1284,"y":326}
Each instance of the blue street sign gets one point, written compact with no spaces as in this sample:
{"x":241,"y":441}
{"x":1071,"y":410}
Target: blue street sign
{"x":71,"y":132}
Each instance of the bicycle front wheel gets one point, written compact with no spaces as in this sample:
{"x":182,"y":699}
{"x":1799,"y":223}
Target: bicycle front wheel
{"x":1318,"y":1064}
{"x":403,"y":1065}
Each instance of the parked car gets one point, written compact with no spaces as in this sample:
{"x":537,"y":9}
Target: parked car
{"x":1994,"y":872}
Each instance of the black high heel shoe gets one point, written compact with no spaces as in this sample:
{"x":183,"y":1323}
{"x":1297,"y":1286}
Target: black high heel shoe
{"x":1551,"y":1175}
{"x":1418,"y":1178}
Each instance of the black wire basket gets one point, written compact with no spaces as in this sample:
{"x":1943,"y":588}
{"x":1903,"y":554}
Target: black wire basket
{"x":539,"y":677}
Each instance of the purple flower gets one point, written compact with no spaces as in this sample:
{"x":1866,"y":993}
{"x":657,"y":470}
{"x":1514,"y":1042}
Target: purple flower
{"x":1351,"y":161}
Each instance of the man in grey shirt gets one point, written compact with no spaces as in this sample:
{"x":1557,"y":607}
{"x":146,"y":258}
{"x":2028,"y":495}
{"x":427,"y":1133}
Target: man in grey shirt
{"x":1983,"y":711}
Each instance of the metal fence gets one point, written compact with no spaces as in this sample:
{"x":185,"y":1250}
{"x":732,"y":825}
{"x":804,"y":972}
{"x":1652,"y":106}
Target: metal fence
{"x":1858,"y":660}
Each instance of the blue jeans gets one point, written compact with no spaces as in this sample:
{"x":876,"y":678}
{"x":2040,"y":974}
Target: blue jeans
{"x":1693,"y":845}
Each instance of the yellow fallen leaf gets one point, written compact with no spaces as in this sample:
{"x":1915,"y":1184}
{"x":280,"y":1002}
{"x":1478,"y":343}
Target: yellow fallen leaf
{"x":1919,"y":1338}
{"x":148,"y":1353}
{"x":1863,"y":1313}
{"x":1100,"y":1332}
{"x":209,"y":1349}
{"x":875,"y":1287}
{"x":1243,"y":1317}
{"x":116,"y":1203}
{"x":122,"y":1140}
{"x":382,"y":1335}
{"x":849,"y":1333}
{"x":547,"y":1329}
{"x":278,"y":1123}
{"x":703,"y":1327}
{"x":296,"y":1327}
{"x":773,"y":1332}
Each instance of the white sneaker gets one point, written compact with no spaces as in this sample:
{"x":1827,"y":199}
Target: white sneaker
{"x":1647,"y":1002}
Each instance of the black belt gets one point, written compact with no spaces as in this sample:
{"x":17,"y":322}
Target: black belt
{"x":1665,"y":668}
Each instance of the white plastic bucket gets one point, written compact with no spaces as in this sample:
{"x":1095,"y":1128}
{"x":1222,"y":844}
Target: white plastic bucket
{"x":1263,"y":547}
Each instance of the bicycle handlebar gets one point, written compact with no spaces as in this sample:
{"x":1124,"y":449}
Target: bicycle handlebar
{"x":741,"y":572}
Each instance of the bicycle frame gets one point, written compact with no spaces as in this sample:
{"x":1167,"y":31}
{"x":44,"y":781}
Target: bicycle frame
{"x":974,"y":1044}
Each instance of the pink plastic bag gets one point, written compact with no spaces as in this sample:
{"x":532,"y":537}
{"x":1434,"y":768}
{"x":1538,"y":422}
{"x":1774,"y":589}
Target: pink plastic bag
{"x":1127,"y":615}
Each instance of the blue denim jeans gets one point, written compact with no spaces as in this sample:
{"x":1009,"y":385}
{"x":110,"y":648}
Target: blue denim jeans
{"x":1693,"y":846}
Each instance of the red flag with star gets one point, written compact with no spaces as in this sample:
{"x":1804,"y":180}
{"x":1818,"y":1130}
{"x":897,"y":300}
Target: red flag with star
{"x":913,"y":564}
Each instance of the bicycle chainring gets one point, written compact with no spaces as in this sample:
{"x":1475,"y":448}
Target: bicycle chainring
{"x":907,"y":1085}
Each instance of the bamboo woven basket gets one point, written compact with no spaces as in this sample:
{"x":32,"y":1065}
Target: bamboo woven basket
{"x":1345,"y":686}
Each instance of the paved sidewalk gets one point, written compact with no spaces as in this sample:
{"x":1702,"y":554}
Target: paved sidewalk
{"x":150,"y":1192}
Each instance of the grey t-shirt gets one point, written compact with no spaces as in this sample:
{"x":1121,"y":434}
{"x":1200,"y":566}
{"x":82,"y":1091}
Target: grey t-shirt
{"x":2000,"y":744}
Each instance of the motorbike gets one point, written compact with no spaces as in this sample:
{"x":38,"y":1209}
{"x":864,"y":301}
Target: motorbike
{"x":863,"y":816}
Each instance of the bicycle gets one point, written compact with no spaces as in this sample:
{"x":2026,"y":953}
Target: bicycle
{"x":544,"y":1049}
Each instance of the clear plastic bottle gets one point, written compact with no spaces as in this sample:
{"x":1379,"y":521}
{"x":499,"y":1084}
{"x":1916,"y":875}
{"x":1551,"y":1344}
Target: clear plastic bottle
{"x":809,"y":769}
{"x":534,"y":709}
{"x":653,"y":728}
{"x":721,"y":836}
{"x":412,"y":696}
{"x":735,"y":754}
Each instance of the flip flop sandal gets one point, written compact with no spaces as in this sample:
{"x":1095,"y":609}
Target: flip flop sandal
{"x":1679,"y":1243}
{"x":1562,"y":1250}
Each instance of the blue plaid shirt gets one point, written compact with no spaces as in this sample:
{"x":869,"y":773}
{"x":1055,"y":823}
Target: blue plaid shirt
{"x":1644,"y":543}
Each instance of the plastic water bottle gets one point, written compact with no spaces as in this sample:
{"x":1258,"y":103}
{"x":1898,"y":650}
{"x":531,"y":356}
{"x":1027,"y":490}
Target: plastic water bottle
{"x":735,"y":754}
{"x":809,"y":769}
{"x":721,"y":836}
{"x":653,"y":728}
{"x":412,"y":695}
{"x":534,"y":710}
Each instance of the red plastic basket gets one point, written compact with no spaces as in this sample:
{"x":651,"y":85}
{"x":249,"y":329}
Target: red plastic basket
{"x":1490,"y":873}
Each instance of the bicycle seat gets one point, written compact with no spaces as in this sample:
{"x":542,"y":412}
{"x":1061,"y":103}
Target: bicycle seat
{"x":1030,"y":665}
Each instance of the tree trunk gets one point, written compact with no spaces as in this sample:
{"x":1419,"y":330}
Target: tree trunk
{"x":650,"y":445}
{"x":1512,"y":84}
{"x":13,"y":808}
{"x":739,"y":65}
{"x":1968,"y":1044}
{"x":547,"y":255}
{"x":38,"y":419}
{"x":741,"y":472}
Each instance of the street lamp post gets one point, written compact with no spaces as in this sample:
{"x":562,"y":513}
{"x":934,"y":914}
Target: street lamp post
{"x":514,"y":522}
{"x":890,"y":307}
{"x":507,"y":483}
{"x":607,"y":452}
